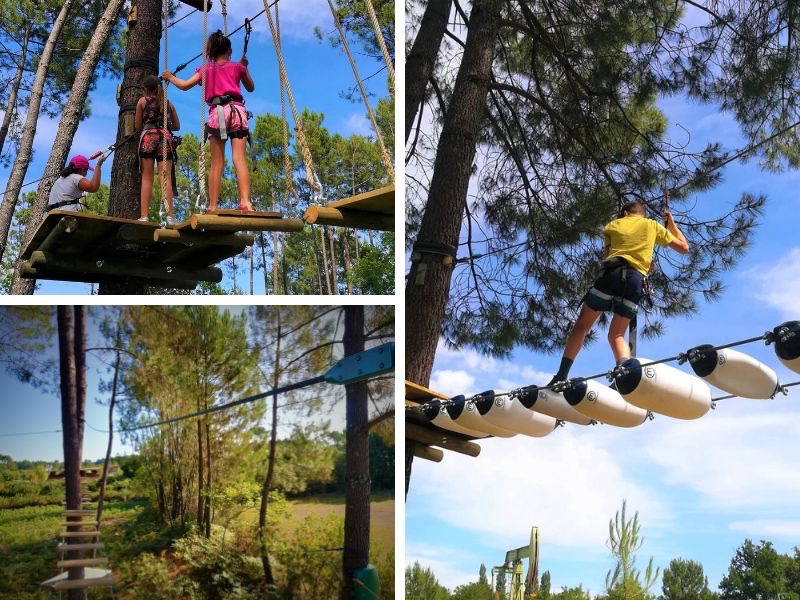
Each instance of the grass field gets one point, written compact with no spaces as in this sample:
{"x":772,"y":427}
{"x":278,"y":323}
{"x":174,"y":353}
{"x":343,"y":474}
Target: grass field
{"x":28,"y":539}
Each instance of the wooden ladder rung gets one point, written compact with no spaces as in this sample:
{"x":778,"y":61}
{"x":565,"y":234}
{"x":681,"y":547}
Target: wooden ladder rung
{"x":77,"y":584}
{"x":81,"y":562}
{"x":80,"y":534}
{"x":79,"y":513}
{"x":80,"y":523}
{"x":79,"y":547}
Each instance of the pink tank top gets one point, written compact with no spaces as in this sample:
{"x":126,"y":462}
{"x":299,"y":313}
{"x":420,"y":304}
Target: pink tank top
{"x":223,"y":79}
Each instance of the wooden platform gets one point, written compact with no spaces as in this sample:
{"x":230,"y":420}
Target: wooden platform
{"x":74,"y":246}
{"x":425,"y":434}
{"x":370,"y":210}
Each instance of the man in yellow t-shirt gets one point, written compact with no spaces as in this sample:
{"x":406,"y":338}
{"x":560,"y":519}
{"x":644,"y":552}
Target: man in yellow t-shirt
{"x":629,"y":244}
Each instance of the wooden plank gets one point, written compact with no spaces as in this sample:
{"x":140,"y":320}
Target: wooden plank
{"x":79,"y":547}
{"x":380,"y":201}
{"x":80,"y":534}
{"x":420,"y":394}
{"x":78,"y":584}
{"x":79,"y":523}
{"x":219,"y":223}
{"x":81,"y":562}
{"x":190,"y":237}
{"x":360,"y":219}
{"x":79,"y":513}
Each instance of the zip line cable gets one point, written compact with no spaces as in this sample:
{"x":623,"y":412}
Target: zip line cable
{"x":30,"y":433}
{"x":618,"y":371}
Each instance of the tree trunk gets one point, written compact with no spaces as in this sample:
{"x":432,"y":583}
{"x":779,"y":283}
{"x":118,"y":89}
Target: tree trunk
{"x":273,"y":445}
{"x":325,"y":259}
{"x":11,"y":105}
{"x":428,"y":284}
{"x":23,"y":158}
{"x":72,"y":356}
{"x":357,"y":483}
{"x":422,"y":57}
{"x":207,"y":511}
{"x":141,"y":60}
{"x":67,"y":127}
{"x":200,"y":476}
{"x":348,"y":265}
{"x":276,"y":283}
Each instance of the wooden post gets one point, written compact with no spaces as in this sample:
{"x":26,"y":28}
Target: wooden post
{"x":325,"y":215}
{"x":432,"y":438}
{"x":226,"y":223}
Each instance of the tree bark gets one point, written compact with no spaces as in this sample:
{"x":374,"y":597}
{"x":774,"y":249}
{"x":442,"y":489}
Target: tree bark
{"x":357,"y":482}
{"x":334,"y":275}
{"x":11,"y":105}
{"x":273,"y":445}
{"x":428,"y":284}
{"x":422,"y":57}
{"x":348,"y":265}
{"x":276,"y":282}
{"x":72,"y":357}
{"x":67,"y":127}
{"x":207,"y":511}
{"x":102,"y":493}
{"x":23,"y":158}
{"x":141,"y":60}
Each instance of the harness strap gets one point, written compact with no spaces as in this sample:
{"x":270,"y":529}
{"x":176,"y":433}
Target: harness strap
{"x":223,"y":132}
{"x":56,"y":205}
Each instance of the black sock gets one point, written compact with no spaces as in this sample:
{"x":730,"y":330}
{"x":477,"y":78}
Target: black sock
{"x":563,"y":370}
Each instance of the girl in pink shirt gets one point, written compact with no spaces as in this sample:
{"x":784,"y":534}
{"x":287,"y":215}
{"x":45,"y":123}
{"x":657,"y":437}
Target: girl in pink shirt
{"x":227,"y":117}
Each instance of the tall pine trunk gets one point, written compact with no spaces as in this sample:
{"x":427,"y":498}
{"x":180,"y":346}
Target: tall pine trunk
{"x":141,"y":60}
{"x":428,"y":284}
{"x":67,"y":127}
{"x":23,"y":158}
{"x":334,"y":275}
{"x":357,"y":483}
{"x":72,"y":361}
{"x":422,"y":56}
{"x":11,"y":105}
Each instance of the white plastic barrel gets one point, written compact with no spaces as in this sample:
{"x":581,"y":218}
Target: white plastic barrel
{"x":510,"y":414}
{"x":551,"y":403}
{"x":733,"y":372}
{"x":437,"y":415}
{"x":664,"y":389}
{"x":467,"y":414}
{"x":787,"y":344}
{"x":604,"y":404}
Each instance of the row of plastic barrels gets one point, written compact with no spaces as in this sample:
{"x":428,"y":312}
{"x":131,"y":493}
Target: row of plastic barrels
{"x":640,"y":389}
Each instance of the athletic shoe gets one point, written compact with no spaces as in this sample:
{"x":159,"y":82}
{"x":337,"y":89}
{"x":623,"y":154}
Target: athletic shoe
{"x":172,"y":220}
{"x":142,"y":219}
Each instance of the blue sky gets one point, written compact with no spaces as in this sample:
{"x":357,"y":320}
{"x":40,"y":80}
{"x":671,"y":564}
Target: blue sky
{"x":317,"y":74}
{"x":701,"y":487}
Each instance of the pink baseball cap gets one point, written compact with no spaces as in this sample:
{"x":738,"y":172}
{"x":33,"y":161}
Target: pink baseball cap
{"x":81,"y":162}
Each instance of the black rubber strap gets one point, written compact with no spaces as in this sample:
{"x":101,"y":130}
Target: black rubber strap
{"x":146,"y":62}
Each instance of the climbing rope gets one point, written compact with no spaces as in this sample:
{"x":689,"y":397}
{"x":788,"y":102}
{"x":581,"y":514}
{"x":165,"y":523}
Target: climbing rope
{"x":376,"y":26}
{"x":224,"y":7}
{"x":619,"y":371}
{"x":387,"y":160}
{"x":311,"y":175}
{"x":202,"y":199}
{"x":288,"y":167}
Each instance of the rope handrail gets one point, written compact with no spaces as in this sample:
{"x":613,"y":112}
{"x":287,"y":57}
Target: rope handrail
{"x":376,"y":26}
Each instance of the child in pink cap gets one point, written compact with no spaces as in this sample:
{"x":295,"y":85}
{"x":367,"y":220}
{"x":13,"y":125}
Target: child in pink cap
{"x":69,"y":188}
{"x":227,"y":117}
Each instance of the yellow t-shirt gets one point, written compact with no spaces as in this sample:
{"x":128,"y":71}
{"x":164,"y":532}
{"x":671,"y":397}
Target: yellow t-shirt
{"x":633,"y":238}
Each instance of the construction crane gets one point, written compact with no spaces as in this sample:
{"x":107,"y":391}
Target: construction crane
{"x":520,"y":590}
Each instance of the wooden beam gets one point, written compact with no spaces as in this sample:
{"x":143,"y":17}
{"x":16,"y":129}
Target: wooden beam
{"x":433,"y":438}
{"x":162,"y":272}
{"x":78,"y":584}
{"x":79,"y":524}
{"x":218,"y":223}
{"x":381,"y":200}
{"x":80,"y":534}
{"x":81,"y":562}
{"x":79,"y":547}
{"x":428,"y":453}
{"x":195,"y":238}
{"x":325,"y":215}
{"x":65,"y":225}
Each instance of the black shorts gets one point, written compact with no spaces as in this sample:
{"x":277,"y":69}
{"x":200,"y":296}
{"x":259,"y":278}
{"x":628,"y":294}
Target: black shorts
{"x":613,"y":291}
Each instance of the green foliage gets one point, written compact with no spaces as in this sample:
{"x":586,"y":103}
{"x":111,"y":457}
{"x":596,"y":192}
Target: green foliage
{"x":544,"y":587}
{"x":304,"y":461}
{"x":759,"y":571}
{"x":16,"y":233}
{"x":684,"y":580}
{"x":421,"y":584}
{"x":149,"y":577}
{"x":573,"y":593}
{"x":381,"y":463}
{"x":624,"y":540}
{"x":373,"y":270}
{"x":479,"y":590}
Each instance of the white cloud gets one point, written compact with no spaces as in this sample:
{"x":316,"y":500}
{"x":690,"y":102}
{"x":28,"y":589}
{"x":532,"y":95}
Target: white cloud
{"x":568,"y":484}
{"x":779,"y":284}
{"x":451,"y":382}
{"x":446,"y":563}
{"x":358,"y":124}
{"x":730,"y":460}
{"x":769,"y":528}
